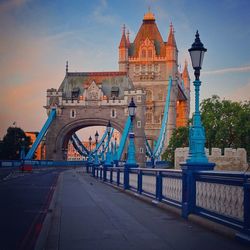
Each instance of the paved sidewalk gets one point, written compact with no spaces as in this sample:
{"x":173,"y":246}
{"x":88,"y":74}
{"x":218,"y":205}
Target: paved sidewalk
{"x":93,"y":215}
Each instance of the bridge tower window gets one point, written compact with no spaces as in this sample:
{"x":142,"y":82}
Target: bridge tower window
{"x":150,"y":53}
{"x":143,"y":53}
{"x":148,"y":118}
{"x":72,"y":113}
{"x":113,"y":113}
{"x":138,"y":124}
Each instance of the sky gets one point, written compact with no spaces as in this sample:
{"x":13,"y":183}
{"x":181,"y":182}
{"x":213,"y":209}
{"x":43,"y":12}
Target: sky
{"x":39,"y":36}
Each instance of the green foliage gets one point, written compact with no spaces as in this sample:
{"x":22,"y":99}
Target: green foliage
{"x":178,"y":139}
{"x":227,"y":123}
{"x":12,"y":142}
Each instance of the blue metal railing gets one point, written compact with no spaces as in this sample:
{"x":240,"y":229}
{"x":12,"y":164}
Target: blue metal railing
{"x":231,"y":190}
{"x":40,"y":136}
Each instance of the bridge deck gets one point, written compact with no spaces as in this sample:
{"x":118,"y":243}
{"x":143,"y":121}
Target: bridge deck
{"x":92,"y":215}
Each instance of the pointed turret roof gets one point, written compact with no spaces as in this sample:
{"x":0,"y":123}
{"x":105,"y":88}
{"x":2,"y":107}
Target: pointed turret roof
{"x":123,"y":42}
{"x":185,"y":73}
{"x":127,"y":38}
{"x":171,"y":39}
{"x":148,"y":30}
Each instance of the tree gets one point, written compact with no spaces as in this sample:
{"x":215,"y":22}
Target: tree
{"x":12,"y":143}
{"x":178,"y":139}
{"x":227,"y":123}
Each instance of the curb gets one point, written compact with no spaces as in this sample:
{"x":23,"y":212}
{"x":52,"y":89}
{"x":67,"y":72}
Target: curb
{"x":42,"y":238}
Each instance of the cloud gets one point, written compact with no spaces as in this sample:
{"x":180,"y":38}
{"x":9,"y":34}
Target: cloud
{"x":228,"y":70}
{"x":100,"y":16}
{"x":8,"y":5}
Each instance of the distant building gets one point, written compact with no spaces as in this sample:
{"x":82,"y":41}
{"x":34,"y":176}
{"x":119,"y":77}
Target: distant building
{"x":40,"y":152}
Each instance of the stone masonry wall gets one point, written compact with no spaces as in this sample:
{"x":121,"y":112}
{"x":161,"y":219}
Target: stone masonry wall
{"x":232,"y":160}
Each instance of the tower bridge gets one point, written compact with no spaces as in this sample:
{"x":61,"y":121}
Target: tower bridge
{"x":148,"y":74}
{"x":162,"y":98}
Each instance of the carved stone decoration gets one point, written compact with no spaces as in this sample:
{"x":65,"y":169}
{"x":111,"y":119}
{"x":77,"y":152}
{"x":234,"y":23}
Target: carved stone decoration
{"x":172,"y":188}
{"x":222,"y":199}
{"x":93,"y":92}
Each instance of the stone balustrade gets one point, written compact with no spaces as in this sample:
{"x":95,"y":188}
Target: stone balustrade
{"x":231,"y":160}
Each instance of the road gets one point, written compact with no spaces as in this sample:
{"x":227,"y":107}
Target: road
{"x":25,"y":199}
{"x":92,"y":215}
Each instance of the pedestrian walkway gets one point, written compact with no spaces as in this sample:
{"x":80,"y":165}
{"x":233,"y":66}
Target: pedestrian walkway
{"x":92,"y":215}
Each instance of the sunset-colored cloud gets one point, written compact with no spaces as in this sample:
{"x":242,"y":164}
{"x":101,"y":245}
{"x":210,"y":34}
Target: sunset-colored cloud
{"x":228,"y":70}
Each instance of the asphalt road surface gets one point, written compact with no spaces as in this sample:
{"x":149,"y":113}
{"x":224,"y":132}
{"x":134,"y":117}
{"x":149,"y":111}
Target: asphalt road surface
{"x":24,"y":202}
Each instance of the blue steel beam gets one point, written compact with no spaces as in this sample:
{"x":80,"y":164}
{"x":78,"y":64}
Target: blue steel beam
{"x":160,"y":142}
{"x":148,"y":149}
{"x":107,"y":142}
{"x":79,"y":147}
{"x":40,"y":136}
{"x":124,"y":138}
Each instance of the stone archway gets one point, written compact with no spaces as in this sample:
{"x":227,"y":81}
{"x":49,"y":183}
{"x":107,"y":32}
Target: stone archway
{"x":73,"y":115}
{"x":66,"y":132}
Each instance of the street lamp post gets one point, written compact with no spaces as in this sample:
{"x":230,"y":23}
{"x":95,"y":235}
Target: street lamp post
{"x":197,"y":159}
{"x":107,"y":162}
{"x":115,"y":153}
{"x":90,"y":140}
{"x":197,"y":137}
{"x":131,"y":161}
{"x":96,"y":163}
{"x":89,"y":163}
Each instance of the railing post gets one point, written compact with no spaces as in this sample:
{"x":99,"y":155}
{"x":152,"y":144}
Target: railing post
{"x":188,"y":192}
{"x":159,"y":185}
{"x":139,"y":184}
{"x":244,"y":234}
{"x":104,"y":172}
{"x":126,"y":178}
{"x":93,"y":170}
{"x":189,"y":186}
{"x":111,"y":175}
{"x":247,"y":207}
{"x":118,"y":177}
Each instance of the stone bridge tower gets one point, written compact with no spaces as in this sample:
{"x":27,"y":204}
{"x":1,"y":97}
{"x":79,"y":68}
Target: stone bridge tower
{"x":92,"y":99}
{"x":149,"y":61}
